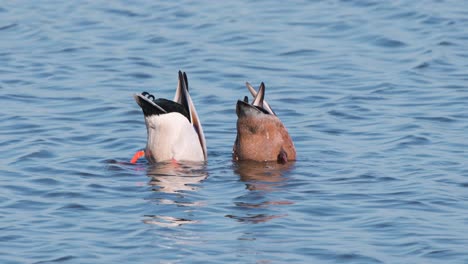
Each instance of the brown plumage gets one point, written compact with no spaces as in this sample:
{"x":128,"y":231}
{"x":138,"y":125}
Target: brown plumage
{"x":261,"y":136}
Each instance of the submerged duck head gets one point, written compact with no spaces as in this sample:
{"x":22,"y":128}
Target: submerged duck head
{"x":261,"y":136}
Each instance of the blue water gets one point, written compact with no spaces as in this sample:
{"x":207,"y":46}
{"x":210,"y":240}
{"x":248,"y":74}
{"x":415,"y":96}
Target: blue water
{"x":373,"y":93}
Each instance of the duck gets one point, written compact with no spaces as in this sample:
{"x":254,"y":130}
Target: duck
{"x":261,"y":136}
{"x":174,"y":130}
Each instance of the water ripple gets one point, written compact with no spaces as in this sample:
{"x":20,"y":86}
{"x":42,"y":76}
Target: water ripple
{"x":373,"y":94}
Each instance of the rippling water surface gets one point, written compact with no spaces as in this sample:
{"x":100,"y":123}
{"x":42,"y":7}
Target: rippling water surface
{"x":374,"y":94}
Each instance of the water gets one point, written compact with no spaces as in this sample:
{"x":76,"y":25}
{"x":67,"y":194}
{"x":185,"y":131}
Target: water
{"x":374,"y":94}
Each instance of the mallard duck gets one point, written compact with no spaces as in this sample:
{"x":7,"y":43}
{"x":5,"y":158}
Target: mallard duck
{"x":174,"y":129}
{"x":261,"y":136}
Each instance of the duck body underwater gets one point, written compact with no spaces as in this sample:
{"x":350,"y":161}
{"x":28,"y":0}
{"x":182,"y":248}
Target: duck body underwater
{"x":261,"y":136}
{"x":174,"y":131}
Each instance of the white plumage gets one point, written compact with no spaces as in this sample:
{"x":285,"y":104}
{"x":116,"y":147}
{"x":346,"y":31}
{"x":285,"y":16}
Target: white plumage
{"x":172,"y":136}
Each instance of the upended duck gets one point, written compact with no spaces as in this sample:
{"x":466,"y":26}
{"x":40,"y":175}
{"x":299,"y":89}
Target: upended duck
{"x":261,"y":136}
{"x":173,"y":127}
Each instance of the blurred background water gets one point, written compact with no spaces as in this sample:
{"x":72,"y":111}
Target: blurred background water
{"x":374,"y":94}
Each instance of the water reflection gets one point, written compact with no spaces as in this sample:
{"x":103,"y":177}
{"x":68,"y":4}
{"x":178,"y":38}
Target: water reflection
{"x":171,"y":177}
{"x":264,"y":176}
{"x":172,"y":184}
{"x":261,"y":180}
{"x":166,"y":221}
